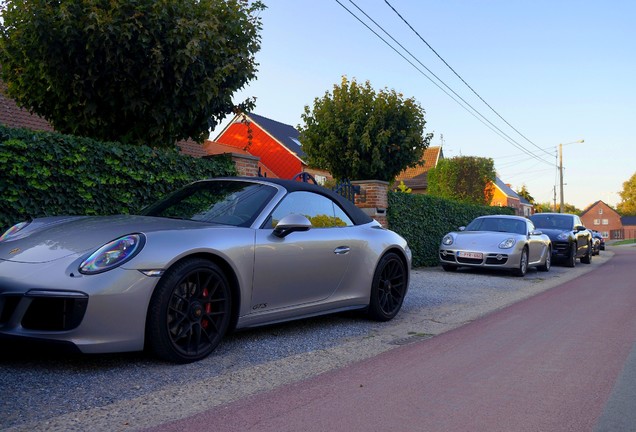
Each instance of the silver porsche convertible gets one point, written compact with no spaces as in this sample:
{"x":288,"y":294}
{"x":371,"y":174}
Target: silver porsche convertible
{"x":497,"y":242}
{"x":217,"y":255}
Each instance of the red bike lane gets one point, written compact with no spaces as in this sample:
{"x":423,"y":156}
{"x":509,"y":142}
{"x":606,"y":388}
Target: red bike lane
{"x":549,"y":363}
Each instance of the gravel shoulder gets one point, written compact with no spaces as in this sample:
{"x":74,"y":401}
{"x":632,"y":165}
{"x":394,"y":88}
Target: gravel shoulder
{"x":51,"y":391}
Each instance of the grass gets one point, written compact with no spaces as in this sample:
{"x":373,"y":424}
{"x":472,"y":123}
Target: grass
{"x":623,"y":242}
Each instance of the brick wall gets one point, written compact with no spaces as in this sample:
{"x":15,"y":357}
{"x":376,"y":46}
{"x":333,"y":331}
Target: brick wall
{"x":373,"y":199}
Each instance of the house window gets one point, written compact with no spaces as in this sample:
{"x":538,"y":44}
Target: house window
{"x":605,"y":222}
{"x":597,"y":221}
{"x":600,"y":211}
{"x":320,"y":179}
{"x":605,"y":234}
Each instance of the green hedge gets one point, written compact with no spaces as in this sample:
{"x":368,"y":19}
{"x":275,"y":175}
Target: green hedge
{"x":47,"y":174}
{"x":423,"y":220}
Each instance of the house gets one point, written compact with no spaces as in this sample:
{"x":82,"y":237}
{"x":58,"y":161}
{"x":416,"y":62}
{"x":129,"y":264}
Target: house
{"x":601,"y":217}
{"x":504,"y":196}
{"x":416,"y":177}
{"x":274,"y":143}
{"x":11,"y":115}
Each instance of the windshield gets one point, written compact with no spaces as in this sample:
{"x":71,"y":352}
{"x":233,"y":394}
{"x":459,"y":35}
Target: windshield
{"x":223,"y":202}
{"x":497,"y":225}
{"x":561,"y":222}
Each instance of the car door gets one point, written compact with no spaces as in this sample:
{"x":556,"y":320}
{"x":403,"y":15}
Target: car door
{"x":535,"y":243}
{"x":304,"y":266}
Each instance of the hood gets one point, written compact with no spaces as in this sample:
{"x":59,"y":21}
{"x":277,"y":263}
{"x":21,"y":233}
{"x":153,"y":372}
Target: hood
{"x":49,"y":239}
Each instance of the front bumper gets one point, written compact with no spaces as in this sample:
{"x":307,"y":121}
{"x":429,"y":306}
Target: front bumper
{"x":98,"y":313}
{"x":489,"y":259}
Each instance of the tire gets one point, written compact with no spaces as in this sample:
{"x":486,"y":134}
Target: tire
{"x":449,"y":268}
{"x":388,"y":288}
{"x":587,"y":258}
{"x":189,"y":311}
{"x":523,"y":264}
{"x":571,"y":261}
{"x":548,"y":262}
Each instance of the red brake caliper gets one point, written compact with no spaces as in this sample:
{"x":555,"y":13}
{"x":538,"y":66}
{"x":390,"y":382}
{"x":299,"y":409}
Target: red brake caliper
{"x":208,"y":308}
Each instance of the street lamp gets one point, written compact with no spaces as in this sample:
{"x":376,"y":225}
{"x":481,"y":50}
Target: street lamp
{"x":561,"y":169}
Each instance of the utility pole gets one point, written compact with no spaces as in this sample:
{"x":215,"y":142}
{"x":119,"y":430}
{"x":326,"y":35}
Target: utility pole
{"x":561,"y":175}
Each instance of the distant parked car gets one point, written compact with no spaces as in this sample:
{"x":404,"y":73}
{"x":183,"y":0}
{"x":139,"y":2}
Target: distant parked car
{"x":570,"y":239}
{"x":497,"y":242}
{"x":598,"y":242}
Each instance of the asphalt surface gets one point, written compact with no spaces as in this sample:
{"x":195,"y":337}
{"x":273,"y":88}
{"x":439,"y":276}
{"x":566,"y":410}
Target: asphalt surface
{"x":50,"y":391}
{"x":555,"y":362}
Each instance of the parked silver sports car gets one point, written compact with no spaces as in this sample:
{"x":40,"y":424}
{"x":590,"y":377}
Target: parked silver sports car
{"x":217,"y":255}
{"x":498,"y":242}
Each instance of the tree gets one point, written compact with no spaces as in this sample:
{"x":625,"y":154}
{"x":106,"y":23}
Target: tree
{"x":358,"y":134}
{"x":627,"y":206}
{"x":135,"y":71}
{"x":525,"y":194}
{"x":464,"y":178}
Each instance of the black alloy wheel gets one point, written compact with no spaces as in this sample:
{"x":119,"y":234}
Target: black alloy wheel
{"x":571,"y":262}
{"x":388,"y":288}
{"x":189,"y":311}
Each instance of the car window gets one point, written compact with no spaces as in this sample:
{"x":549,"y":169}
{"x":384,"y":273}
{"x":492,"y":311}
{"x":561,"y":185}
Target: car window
{"x":321,"y":211}
{"x":562,"y":222}
{"x":228,"y":203}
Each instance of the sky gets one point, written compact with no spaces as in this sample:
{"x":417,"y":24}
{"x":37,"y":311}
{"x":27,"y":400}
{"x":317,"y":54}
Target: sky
{"x":542,"y":73}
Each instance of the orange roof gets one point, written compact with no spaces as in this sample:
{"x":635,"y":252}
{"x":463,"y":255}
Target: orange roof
{"x":271,"y":152}
{"x":430,"y":158}
{"x":11,"y":115}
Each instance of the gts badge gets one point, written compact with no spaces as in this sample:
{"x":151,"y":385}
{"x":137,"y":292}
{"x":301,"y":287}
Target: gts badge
{"x":259,"y":306}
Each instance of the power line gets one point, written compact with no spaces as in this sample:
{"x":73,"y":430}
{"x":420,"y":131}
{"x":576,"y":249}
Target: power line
{"x":458,"y":76}
{"x":491,"y":126}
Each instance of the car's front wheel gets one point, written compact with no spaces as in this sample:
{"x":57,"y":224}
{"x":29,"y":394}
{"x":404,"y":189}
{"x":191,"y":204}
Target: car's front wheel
{"x":189,"y":311}
{"x":388,"y":288}
{"x":523,"y":263}
{"x":571,"y":262}
{"x":587,"y":258}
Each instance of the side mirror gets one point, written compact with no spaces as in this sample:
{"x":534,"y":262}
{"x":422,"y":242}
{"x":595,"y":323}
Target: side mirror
{"x":536,"y":233}
{"x":462,"y":228}
{"x":291,"y":223}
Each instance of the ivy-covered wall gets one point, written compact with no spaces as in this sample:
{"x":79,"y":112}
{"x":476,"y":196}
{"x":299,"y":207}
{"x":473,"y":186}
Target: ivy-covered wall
{"x":48,"y":174}
{"x":423,"y":220}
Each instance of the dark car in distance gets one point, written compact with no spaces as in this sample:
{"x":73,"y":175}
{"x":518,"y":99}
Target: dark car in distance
{"x":570,"y":239}
{"x":598,"y":242}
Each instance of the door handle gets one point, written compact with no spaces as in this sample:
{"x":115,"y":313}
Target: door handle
{"x":341,"y":250}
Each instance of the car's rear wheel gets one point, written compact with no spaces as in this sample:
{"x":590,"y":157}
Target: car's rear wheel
{"x":388,"y":288}
{"x":571,"y":262}
{"x":189,"y":311}
{"x":587,"y":259}
{"x":523,"y":263}
{"x":548,"y":261}
{"x":449,"y":268}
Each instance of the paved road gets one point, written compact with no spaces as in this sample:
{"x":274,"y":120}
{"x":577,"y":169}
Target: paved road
{"x":563,"y":360}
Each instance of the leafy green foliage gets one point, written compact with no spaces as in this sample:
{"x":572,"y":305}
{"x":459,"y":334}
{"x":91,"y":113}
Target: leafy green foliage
{"x":47,"y":174}
{"x":133,"y":71}
{"x":525,"y":194}
{"x":358,"y":134}
{"x":627,"y":206}
{"x":423,"y":220}
{"x":467,"y":179}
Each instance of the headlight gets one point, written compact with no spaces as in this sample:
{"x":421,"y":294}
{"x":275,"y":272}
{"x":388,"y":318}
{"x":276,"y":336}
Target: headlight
{"x":113,"y":254}
{"x":562,"y":236}
{"x":447,"y":240}
{"x":14,"y":229}
{"x":507,"y":243}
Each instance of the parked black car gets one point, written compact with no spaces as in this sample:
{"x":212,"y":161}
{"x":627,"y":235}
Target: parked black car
{"x":598,"y":242}
{"x":570,"y":238}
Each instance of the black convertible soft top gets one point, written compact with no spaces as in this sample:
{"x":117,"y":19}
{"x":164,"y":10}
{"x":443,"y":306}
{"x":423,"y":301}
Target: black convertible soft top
{"x":358,"y":217}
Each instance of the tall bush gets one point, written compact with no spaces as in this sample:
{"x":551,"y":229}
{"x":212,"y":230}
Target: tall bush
{"x":47,"y":174}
